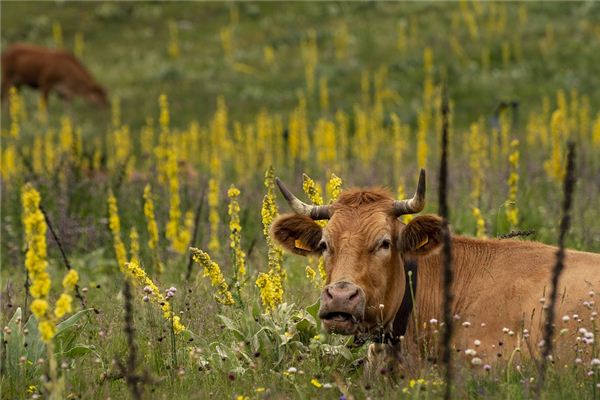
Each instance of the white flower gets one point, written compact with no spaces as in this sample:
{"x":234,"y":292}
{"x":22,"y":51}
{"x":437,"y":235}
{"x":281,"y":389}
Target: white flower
{"x":470,"y":352}
{"x":575,"y":316}
{"x":589,"y":335}
{"x":591,"y":293}
{"x":147,"y":289}
{"x":583,"y":331}
{"x":505,"y":330}
{"x":483,"y":324}
{"x":578,"y":360}
{"x":466,"y":324}
{"x":511,"y":333}
{"x":476,"y":361}
{"x":327,"y":386}
{"x":433,"y":321}
{"x":381,"y":306}
{"x":487,"y":367}
{"x":595,"y":362}
{"x":477,"y":342}
{"x":292,"y":370}
{"x":542,"y":300}
{"x":566,"y":318}
{"x":146,"y":299}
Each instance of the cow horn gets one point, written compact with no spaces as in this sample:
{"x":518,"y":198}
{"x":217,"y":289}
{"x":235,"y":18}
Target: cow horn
{"x":299,"y":207}
{"x":417,"y":203}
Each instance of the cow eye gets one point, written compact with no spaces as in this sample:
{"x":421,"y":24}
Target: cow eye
{"x":385,"y":244}
{"x":322,"y":246}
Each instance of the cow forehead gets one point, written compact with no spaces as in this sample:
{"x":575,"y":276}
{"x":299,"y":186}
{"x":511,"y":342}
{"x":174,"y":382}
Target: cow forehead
{"x":362,"y":223}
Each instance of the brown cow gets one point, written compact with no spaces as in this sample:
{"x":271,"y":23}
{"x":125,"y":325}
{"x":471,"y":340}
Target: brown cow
{"x":49,"y":69}
{"x":367,"y":251}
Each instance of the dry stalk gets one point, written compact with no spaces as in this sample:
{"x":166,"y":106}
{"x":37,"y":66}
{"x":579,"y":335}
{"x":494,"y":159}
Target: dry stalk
{"x":446,"y":250}
{"x":568,"y":186}
{"x":62,"y":253}
{"x":128,"y":371}
{"x":513,"y":234}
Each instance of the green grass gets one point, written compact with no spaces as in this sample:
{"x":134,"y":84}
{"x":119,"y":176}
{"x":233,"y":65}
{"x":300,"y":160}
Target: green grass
{"x":126,"y":50}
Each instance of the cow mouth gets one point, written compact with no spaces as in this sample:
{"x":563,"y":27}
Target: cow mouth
{"x":340,"y":322}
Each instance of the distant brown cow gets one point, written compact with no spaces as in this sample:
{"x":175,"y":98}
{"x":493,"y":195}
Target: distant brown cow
{"x":499,"y":285}
{"x":49,"y":69}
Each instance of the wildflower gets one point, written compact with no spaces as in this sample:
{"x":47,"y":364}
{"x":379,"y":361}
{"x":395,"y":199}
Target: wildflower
{"x":70,"y":280}
{"x":134,"y":245}
{"x":63,"y":305}
{"x":316,"y":383}
{"x":235,"y":228}
{"x":271,"y":289}
{"x":554,"y":166}
{"x":145,"y":299}
{"x":476,"y":361}
{"x":433,"y":321}
{"x":39,"y":308}
{"x":566,"y":318}
{"x":292,"y":370}
{"x":327,"y":386}
{"x":334,"y":187}
{"x":115,"y":227}
{"x":15,"y":105}
{"x":213,"y":216}
{"x":213,"y":271}
{"x":477,"y":342}
{"x":139,"y":277}
{"x":480,"y":231}
{"x":487,"y":367}
{"x":47,"y":330}
{"x":466,"y":324}
{"x":512,"y":211}
{"x":470,"y":352}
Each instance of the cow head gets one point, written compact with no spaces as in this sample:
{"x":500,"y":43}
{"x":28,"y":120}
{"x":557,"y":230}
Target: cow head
{"x":364,"y":246}
{"x":96,"y":95}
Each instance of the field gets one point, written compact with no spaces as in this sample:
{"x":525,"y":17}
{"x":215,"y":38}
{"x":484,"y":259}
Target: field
{"x":210,"y":101}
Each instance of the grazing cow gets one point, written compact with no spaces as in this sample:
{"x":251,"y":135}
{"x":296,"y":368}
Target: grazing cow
{"x":498,"y":284}
{"x":49,"y":69}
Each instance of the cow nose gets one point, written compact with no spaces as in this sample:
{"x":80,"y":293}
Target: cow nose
{"x":344,"y":297}
{"x":342,"y":291}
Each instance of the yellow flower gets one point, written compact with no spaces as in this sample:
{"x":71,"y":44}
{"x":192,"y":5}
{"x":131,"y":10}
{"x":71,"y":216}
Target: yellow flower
{"x":334,"y":187}
{"x":134,"y":244}
{"x":512,"y":211}
{"x":47,"y":330}
{"x":63,"y":305}
{"x":150,"y":219}
{"x":213,"y":271}
{"x":316,"y":383}
{"x":213,"y":214}
{"x":235,"y":237}
{"x":115,"y":227}
{"x":39,"y":308}
{"x":271,"y":289}
{"x":140,"y":278}
{"x":480,"y":232}
{"x":70,"y":280}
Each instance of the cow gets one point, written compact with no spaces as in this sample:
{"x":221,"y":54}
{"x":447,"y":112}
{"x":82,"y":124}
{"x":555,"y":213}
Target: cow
{"x":373,"y":263}
{"x":49,"y":70}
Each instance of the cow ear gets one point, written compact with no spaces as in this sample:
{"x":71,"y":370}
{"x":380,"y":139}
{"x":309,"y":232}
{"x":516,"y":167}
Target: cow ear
{"x":421,"y":235}
{"x":297,"y":233}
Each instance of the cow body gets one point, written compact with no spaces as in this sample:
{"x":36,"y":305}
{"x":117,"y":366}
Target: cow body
{"x":49,"y":70}
{"x":500,"y":286}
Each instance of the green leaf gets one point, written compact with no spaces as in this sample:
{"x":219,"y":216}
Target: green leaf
{"x":229,"y":324}
{"x":313,"y":311}
{"x":68,"y":330}
{"x":78,"y":350}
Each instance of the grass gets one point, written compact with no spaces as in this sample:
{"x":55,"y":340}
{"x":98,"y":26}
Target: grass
{"x":245,"y":350}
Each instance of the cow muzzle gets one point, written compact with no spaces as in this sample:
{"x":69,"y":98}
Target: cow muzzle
{"x":342,"y":307}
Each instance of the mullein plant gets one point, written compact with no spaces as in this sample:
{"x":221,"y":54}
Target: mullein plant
{"x":554,"y":166}
{"x":136,"y":274}
{"x":213,"y":272}
{"x":238,"y":256}
{"x":152,"y":228}
{"x":114,"y":224}
{"x":36,"y":264}
{"x":271,"y":282}
{"x":512,"y":210}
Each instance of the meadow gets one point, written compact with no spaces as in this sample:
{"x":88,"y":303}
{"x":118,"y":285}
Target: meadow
{"x":211,"y":101}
